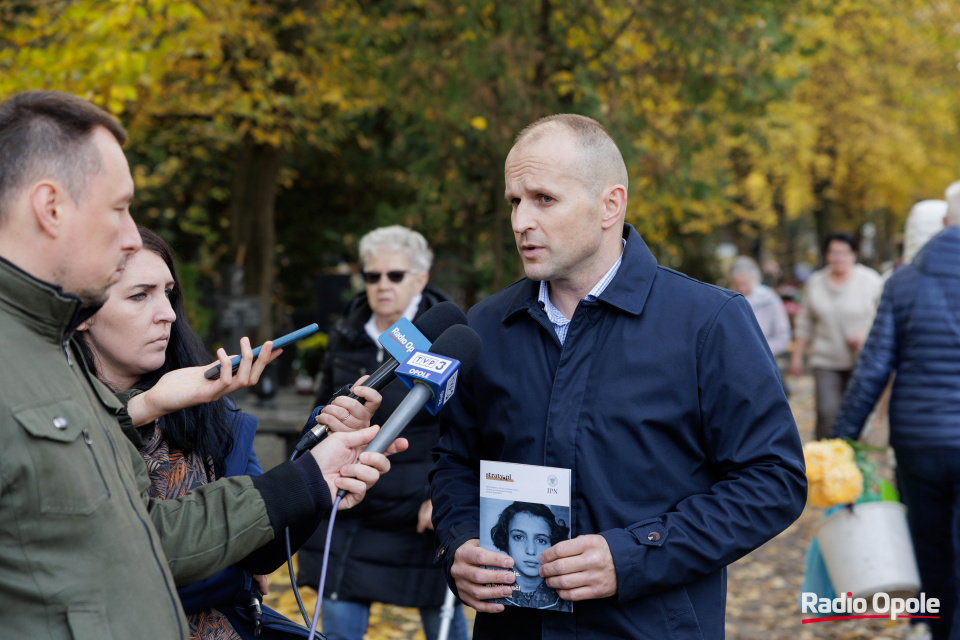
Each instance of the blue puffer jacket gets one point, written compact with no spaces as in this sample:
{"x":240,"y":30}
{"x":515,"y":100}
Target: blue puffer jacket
{"x":666,"y":404}
{"x":917,"y":334}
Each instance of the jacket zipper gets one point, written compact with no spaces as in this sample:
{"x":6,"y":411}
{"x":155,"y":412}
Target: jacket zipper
{"x":86,"y":438}
{"x":174,"y":598}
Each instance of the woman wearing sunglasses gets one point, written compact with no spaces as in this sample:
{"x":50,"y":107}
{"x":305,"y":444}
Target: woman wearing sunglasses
{"x":383,"y":552}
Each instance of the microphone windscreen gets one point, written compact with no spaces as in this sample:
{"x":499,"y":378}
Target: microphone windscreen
{"x":459,"y":342}
{"x":438,"y":319}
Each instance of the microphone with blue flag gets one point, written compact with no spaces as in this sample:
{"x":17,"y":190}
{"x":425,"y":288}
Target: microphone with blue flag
{"x":399,"y":340}
{"x":432,"y":378}
{"x":402,"y":338}
{"x":433,"y":371}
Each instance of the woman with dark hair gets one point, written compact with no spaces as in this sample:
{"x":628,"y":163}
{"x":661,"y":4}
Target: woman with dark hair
{"x":839,"y":304}
{"x":523,"y":531}
{"x":123,"y":364}
{"x":138,"y":336}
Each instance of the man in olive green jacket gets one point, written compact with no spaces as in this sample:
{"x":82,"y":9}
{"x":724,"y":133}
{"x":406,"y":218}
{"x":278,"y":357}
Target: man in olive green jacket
{"x":84,"y":552}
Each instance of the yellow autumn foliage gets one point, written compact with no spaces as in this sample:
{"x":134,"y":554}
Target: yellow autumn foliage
{"x":832,"y":473}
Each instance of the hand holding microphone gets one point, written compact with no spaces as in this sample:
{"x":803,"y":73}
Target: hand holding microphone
{"x":348,"y":468}
{"x":343,"y":413}
{"x":350,"y":472}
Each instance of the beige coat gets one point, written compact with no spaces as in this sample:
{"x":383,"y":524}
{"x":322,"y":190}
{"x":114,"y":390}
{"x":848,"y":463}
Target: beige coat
{"x":830,"y":315}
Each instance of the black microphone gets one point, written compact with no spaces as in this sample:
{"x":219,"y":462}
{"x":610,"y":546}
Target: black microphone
{"x":459,"y":342}
{"x":432,"y":324}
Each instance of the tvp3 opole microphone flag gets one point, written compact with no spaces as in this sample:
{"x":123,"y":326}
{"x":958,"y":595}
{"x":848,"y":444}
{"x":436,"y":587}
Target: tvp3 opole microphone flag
{"x":432,"y":379}
{"x":402,"y":337}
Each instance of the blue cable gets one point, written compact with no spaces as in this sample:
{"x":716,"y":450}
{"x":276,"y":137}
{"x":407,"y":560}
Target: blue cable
{"x":323,"y":569}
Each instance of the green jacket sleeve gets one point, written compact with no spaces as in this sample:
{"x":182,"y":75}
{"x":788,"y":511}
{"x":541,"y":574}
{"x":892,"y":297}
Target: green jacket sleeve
{"x":208,"y":528}
{"x":219,"y":524}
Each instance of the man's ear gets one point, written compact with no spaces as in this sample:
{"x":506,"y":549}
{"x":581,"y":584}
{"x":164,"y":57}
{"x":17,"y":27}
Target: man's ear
{"x":614,"y":206}
{"x":86,"y":324}
{"x":47,"y":201}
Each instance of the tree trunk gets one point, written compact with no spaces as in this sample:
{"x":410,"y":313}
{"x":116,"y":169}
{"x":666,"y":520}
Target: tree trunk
{"x":252,"y":232}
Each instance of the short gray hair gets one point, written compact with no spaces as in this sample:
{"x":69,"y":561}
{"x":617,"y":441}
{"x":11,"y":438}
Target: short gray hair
{"x":398,"y":238}
{"x":953,"y":204}
{"x":924,"y":221}
{"x":600,"y":163}
{"x":47,"y":134}
{"x":746,"y":266}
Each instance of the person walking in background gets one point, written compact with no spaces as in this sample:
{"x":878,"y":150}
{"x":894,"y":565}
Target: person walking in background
{"x":744,"y":278}
{"x":140,"y":334}
{"x":385,"y":552}
{"x":839,"y":302}
{"x":916,"y":334}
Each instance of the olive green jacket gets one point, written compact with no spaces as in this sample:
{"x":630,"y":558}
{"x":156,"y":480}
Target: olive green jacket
{"x":84,"y":552}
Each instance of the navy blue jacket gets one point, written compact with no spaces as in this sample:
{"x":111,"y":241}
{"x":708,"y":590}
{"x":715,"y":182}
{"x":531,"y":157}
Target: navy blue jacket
{"x":917,"y":334}
{"x":666,"y":404}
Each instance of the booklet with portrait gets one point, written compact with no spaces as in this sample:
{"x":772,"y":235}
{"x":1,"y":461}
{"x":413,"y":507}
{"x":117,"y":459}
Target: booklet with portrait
{"x":524,"y":510}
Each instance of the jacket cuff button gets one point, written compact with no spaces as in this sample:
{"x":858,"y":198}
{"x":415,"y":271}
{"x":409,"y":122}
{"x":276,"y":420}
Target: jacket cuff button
{"x":653,"y":536}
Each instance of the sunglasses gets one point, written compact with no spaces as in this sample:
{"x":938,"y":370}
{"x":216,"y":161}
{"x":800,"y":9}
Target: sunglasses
{"x":373,"y":277}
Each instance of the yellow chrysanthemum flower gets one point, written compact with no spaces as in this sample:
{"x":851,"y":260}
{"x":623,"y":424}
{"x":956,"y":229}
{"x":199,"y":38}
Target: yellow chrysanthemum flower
{"x":832,"y":474}
{"x":840,"y":449}
{"x":842,"y":484}
{"x":816,"y":496}
{"x":817,"y":458}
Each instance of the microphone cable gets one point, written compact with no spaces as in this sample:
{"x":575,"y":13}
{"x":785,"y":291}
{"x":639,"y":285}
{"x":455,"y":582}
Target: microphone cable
{"x":323,"y":569}
{"x":311,"y":624}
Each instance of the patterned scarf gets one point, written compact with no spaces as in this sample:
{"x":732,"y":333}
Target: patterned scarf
{"x":172,"y":474}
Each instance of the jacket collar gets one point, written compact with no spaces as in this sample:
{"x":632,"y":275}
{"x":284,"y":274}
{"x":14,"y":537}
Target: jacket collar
{"x":941,"y":254}
{"x":628,"y":291}
{"x":43,"y":307}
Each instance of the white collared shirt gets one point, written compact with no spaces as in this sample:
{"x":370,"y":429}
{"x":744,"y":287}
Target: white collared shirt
{"x":559,"y":321}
